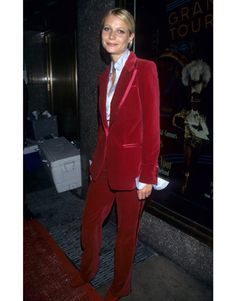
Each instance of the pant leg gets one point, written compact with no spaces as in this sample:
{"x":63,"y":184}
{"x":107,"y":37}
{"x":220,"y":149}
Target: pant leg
{"x":129,"y":211}
{"x":99,"y":202}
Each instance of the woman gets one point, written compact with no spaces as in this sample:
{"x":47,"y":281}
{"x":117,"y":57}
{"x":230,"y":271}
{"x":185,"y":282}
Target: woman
{"x":124,"y":166}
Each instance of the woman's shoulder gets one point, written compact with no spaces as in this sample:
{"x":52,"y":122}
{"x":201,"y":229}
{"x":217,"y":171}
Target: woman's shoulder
{"x":146,"y":67}
{"x":145,"y":62}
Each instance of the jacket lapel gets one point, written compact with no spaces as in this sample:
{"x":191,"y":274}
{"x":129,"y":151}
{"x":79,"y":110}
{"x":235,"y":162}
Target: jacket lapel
{"x":102,"y":99}
{"x":123,"y":86}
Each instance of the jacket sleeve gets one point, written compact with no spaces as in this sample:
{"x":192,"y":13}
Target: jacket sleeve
{"x":150,"y":101}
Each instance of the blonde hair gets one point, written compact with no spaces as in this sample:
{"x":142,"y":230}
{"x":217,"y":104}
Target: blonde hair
{"x":122,"y":14}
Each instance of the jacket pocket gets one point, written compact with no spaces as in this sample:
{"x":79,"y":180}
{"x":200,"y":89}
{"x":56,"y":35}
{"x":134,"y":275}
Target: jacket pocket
{"x":128,"y":145}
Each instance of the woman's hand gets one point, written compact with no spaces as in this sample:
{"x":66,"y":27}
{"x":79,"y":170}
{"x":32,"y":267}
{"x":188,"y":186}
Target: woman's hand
{"x":145,"y":192}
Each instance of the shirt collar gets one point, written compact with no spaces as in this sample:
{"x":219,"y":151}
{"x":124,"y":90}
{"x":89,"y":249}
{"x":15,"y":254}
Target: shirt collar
{"x":121,"y":61}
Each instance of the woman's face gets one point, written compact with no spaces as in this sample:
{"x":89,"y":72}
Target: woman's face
{"x":115,"y":36}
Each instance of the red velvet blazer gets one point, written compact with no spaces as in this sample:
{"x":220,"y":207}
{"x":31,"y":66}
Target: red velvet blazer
{"x":131,"y":143}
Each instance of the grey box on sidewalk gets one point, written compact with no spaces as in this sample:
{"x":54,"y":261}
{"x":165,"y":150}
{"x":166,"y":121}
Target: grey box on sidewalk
{"x":43,"y":128}
{"x":63,"y":161}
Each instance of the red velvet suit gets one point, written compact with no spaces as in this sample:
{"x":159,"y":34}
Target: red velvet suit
{"x":126,"y":149}
{"x":131,"y":143}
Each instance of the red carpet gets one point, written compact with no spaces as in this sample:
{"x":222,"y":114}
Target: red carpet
{"x":47,"y":271}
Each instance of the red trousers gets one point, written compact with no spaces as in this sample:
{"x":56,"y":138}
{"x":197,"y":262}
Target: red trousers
{"x":100,"y":199}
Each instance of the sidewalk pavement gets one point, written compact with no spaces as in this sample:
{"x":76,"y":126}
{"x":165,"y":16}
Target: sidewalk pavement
{"x":159,"y":279}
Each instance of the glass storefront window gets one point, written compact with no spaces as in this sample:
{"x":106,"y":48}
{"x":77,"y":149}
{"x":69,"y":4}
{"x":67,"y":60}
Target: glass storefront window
{"x":178,"y":36}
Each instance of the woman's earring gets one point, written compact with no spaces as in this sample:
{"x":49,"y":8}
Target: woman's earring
{"x":130,"y":44}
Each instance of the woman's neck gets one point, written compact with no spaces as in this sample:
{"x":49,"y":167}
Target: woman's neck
{"x":115,"y":57}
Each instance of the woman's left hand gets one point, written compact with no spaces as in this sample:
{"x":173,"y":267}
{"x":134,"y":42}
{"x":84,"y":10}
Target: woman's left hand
{"x":145,"y":192}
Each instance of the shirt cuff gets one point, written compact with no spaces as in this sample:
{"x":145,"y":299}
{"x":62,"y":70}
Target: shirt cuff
{"x":160,"y":184}
{"x":139,"y":185}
